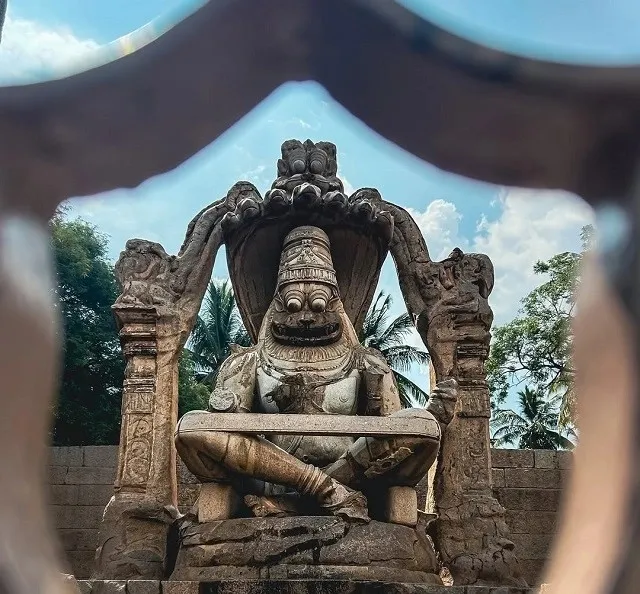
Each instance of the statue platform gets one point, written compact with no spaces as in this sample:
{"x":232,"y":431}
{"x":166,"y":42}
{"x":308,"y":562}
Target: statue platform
{"x":303,"y":548}
{"x":282,"y":587}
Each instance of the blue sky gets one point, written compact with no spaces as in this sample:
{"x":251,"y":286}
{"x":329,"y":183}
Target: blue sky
{"x":515,"y":227}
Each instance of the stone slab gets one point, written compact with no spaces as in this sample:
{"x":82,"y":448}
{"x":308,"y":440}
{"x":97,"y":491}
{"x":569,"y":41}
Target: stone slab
{"x":319,"y":573}
{"x":532,"y":570}
{"x":143,"y":587}
{"x":512,"y":458}
{"x":526,"y":522}
{"x":272,"y":586}
{"x":109,"y":587}
{"x":285,"y":424}
{"x":346,"y":587}
{"x":65,"y":456}
{"x":100,"y":456}
{"x":497,"y":477}
{"x":529,"y":499}
{"x":402,"y":506}
{"x":64,"y":494}
{"x":94,"y":494}
{"x":79,"y":539}
{"x":181,"y":587}
{"x":299,"y":547}
{"x":85,"y":586}
{"x":77,"y":516}
{"x":537,"y":478}
{"x":84,"y":475}
{"x":533,"y":546}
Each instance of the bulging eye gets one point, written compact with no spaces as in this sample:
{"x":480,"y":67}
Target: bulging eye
{"x":294,"y":304}
{"x":318,"y":305}
{"x":318,"y":302}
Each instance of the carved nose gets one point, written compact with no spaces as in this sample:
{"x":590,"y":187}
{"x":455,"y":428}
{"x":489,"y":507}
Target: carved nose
{"x":306,"y":320}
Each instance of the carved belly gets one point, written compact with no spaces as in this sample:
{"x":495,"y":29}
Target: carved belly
{"x":339,"y":397}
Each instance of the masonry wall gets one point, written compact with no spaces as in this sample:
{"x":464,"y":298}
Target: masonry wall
{"x":527,"y":483}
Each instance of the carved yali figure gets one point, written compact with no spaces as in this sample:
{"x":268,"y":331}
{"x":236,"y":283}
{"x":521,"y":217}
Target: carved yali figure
{"x":308,"y":361}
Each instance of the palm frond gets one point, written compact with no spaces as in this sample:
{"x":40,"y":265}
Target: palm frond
{"x":402,"y":358}
{"x":411,"y":395}
{"x":396,"y":331}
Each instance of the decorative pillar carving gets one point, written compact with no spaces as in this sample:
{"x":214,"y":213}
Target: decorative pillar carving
{"x":134,"y":528}
{"x":470,"y":531}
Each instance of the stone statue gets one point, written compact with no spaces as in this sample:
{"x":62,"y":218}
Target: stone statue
{"x":307,"y":461}
{"x":308,"y":361}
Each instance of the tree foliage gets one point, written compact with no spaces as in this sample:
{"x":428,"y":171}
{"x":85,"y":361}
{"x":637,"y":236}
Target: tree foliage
{"x":88,"y":410}
{"x":535,"y":347}
{"x":192,"y":394}
{"x":390,"y":339}
{"x":217,"y":327}
{"x":535,"y":426}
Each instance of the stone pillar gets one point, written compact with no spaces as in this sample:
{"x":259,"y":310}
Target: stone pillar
{"x":470,"y":531}
{"x":133,"y":533}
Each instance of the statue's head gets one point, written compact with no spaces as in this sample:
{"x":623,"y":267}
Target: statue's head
{"x":307,"y":307}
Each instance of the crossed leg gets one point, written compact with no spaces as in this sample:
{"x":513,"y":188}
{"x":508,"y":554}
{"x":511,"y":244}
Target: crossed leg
{"x":212,"y":455}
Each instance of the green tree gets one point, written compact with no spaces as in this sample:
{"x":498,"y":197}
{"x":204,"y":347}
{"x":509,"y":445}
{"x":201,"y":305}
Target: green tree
{"x":88,"y":410}
{"x":192,"y":395}
{"x":217,"y":327}
{"x":535,"y":347}
{"x":390,"y":340}
{"x":535,"y":426}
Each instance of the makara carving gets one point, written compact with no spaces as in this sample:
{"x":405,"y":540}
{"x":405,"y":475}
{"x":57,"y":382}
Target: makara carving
{"x":304,"y":261}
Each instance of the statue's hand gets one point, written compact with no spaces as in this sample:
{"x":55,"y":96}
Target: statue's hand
{"x":442,"y":402}
{"x":223,"y":400}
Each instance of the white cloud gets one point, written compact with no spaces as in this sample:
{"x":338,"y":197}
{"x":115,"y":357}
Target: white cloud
{"x":439,"y":224}
{"x":533,"y":225}
{"x":30,"y":50}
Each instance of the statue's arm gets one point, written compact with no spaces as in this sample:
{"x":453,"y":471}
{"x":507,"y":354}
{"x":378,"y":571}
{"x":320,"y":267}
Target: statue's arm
{"x":381,"y":390}
{"x":235,"y":385}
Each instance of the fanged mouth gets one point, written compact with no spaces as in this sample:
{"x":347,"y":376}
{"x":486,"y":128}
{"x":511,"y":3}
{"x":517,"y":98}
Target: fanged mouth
{"x":310,"y":335}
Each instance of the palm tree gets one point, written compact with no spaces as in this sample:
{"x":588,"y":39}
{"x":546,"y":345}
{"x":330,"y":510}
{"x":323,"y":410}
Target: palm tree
{"x":534,"y":427}
{"x":390,"y":340}
{"x":217,"y":327}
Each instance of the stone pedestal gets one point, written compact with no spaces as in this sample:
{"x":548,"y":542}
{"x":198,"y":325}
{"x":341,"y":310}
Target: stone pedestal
{"x":303,"y":548}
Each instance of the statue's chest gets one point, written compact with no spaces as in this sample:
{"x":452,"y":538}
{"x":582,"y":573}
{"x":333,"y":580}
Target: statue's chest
{"x":295,"y":394}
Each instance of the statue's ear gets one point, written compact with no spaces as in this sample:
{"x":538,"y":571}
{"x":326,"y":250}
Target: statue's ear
{"x":282,"y":168}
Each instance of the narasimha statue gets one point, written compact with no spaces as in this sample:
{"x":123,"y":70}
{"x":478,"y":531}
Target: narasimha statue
{"x":308,"y":360}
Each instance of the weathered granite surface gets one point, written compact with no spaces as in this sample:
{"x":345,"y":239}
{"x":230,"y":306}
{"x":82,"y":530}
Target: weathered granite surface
{"x":318,"y":547}
{"x":266,"y":586}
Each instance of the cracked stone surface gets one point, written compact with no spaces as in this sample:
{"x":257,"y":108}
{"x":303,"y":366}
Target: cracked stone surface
{"x":315,"y":547}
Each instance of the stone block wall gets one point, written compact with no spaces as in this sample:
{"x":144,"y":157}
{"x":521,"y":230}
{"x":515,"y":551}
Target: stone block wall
{"x":527,"y":483}
{"x":81,"y":484}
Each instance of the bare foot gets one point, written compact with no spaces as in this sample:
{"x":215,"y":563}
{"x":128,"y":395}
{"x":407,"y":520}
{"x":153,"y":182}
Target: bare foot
{"x":263,"y":507}
{"x":346,"y":503}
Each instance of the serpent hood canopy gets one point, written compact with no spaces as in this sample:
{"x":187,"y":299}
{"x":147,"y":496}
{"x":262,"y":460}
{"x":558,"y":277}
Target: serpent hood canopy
{"x":306,"y":192}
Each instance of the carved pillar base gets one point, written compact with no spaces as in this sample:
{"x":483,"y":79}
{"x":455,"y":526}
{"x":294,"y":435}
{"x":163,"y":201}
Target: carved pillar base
{"x":470,"y":531}
{"x":134,"y":535}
